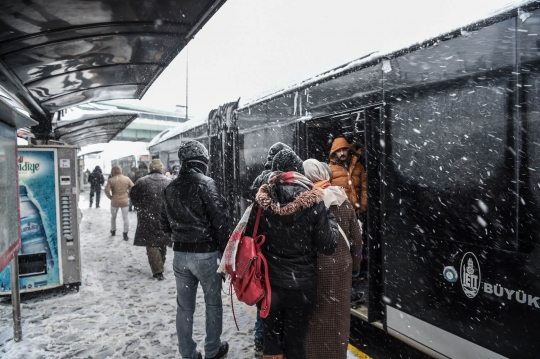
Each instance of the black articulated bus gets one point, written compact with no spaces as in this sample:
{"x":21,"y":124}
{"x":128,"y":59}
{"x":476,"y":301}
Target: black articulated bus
{"x":452,"y":134}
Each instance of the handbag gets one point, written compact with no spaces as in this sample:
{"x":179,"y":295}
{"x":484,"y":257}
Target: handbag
{"x":250,"y":284}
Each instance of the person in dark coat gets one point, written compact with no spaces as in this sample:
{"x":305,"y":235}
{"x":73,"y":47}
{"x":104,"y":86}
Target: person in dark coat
{"x":328,"y":333}
{"x":131,"y":176}
{"x":140,"y":172}
{"x":258,"y":330}
{"x":96,"y":180}
{"x":297,"y":226}
{"x":194,"y":215}
{"x":147,"y":195}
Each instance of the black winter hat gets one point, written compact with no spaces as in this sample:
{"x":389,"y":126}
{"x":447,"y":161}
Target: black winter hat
{"x":274,"y":149}
{"x":286,"y":160}
{"x":193,"y":150}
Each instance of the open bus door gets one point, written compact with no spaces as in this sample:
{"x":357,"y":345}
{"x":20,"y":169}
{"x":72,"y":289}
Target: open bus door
{"x":357,"y":126}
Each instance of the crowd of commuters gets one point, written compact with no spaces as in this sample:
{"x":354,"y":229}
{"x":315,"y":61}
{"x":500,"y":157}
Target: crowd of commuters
{"x":309,"y":217}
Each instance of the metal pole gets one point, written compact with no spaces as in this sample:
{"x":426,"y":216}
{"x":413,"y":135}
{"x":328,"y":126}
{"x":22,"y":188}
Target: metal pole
{"x":187,"y":58}
{"x":16,"y":300}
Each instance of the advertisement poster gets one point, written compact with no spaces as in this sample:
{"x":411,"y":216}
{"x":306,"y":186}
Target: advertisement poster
{"x":38,"y":257}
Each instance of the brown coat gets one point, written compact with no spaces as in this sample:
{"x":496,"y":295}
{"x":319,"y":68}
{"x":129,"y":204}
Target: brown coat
{"x":117,"y":189}
{"x":328,"y":332}
{"x":352,"y":180}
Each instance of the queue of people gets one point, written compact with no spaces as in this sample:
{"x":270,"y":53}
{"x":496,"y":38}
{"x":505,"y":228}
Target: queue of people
{"x":313,"y":238}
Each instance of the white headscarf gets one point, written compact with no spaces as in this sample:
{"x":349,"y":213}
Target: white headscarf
{"x":315,"y":171}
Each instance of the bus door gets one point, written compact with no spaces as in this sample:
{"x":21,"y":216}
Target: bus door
{"x":360,"y":126}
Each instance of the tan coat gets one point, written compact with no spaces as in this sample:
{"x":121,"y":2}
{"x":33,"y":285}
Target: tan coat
{"x":352,"y":180}
{"x":117,"y":189}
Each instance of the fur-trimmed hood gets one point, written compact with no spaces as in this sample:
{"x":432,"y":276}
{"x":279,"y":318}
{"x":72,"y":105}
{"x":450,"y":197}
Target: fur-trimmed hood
{"x":294,"y":197}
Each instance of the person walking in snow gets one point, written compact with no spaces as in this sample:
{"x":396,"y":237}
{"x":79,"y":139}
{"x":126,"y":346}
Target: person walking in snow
{"x":297,"y":226}
{"x":328,"y":333}
{"x":117,"y":190}
{"x":147,"y":195}
{"x":193,"y":214}
{"x":96,"y":180}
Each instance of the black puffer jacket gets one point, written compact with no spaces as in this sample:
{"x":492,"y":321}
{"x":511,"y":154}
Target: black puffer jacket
{"x":194,"y":214}
{"x":294,"y":239}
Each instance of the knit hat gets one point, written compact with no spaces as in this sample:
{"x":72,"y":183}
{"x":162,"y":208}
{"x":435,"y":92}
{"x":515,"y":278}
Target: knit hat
{"x":193,"y":151}
{"x":274,"y":149}
{"x":156,"y":165}
{"x":286,"y":160}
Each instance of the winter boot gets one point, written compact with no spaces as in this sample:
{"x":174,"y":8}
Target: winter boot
{"x":113,"y":232}
{"x":223,"y":350}
{"x":258,"y":346}
{"x":125,"y":236}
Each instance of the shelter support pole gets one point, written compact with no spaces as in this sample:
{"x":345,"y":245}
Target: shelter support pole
{"x":16,"y":300}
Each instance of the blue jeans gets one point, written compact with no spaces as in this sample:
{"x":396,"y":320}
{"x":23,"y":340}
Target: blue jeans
{"x":189,"y":270}
{"x":259,"y":328}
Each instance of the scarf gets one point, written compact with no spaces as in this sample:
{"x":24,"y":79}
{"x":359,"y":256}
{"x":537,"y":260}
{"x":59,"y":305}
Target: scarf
{"x":278,"y":177}
{"x":228,"y":261}
{"x":333,"y":195}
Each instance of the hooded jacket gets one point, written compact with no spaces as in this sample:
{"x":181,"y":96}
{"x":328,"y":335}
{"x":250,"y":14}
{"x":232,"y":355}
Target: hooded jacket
{"x":194,"y":214}
{"x":353,"y":179}
{"x":117,"y":189}
{"x":147,"y":195}
{"x":295,"y":235}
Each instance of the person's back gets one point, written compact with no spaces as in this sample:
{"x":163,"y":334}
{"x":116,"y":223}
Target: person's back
{"x":117,"y":190}
{"x":140,"y":172}
{"x":297,"y":226}
{"x":96,"y":178}
{"x":194,"y":215}
{"x":328,"y":332}
{"x":192,"y":223}
{"x":147,"y":195}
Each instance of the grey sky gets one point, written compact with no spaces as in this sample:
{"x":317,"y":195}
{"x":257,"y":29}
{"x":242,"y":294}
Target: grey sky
{"x":252,"y":47}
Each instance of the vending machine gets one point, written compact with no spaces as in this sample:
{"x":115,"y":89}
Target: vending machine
{"x":48,"y":197}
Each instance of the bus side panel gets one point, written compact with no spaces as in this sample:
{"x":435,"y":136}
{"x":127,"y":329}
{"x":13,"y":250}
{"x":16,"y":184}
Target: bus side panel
{"x":451,"y":255}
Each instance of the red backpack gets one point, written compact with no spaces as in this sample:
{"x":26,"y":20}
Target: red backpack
{"x":250,"y":284}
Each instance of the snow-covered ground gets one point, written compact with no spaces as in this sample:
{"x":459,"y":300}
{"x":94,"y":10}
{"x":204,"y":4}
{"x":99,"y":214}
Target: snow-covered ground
{"x":120,"y":311}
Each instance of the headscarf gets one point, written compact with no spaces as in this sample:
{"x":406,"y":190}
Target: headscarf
{"x":317,"y":173}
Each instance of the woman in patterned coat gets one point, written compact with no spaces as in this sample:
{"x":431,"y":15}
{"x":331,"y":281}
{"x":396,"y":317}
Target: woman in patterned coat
{"x":328,"y":333}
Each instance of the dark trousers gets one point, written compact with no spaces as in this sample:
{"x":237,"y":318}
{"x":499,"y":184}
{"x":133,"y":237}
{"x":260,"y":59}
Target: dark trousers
{"x":286,"y":325}
{"x":156,"y":258}
{"x":97,"y":191}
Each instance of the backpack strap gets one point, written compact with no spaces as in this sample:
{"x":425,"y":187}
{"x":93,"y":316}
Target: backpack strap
{"x":257,"y":220}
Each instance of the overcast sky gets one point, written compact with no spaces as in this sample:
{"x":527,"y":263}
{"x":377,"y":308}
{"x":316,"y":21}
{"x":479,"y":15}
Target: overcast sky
{"x":253,"y":47}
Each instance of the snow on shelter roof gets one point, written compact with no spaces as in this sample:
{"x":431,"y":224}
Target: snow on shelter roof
{"x":373,"y":58}
{"x":184,"y":126}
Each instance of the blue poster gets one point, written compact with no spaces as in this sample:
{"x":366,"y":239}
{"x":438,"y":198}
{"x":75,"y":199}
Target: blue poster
{"x":39,"y":229}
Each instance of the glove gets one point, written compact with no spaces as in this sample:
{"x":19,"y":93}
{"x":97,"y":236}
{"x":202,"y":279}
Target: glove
{"x":356,"y":274}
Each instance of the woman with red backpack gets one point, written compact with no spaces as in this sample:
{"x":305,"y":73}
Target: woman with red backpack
{"x":297,"y":226}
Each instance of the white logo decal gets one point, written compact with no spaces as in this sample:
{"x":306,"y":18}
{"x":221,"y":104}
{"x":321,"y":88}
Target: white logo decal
{"x":470,"y":275}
